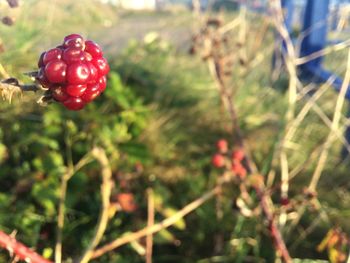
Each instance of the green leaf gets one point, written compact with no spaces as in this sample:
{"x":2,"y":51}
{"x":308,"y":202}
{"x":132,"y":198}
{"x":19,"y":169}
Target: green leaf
{"x":168,"y":212}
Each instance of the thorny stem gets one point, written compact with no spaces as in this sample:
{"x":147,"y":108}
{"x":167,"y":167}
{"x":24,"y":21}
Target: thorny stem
{"x":274,"y":231}
{"x":13,"y":83}
{"x":21,"y":251}
{"x":10,"y":86}
{"x":226,"y":98}
{"x":267,"y":207}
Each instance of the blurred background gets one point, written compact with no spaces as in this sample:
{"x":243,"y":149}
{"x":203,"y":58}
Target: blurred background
{"x":158,"y":121}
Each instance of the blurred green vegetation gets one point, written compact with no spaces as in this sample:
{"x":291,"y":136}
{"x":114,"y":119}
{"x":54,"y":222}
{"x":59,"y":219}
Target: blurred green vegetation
{"x":160,"y":110}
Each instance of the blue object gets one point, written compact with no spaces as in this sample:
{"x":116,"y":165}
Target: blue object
{"x":315,"y":22}
{"x":288,"y":9}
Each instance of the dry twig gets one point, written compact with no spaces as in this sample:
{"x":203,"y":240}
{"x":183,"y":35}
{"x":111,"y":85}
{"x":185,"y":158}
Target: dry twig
{"x":150,"y":223}
{"x":106,"y":189}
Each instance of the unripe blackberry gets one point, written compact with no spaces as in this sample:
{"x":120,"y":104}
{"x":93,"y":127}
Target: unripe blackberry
{"x":74,"y":72}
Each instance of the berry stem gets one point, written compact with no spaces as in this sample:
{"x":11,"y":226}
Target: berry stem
{"x":13,"y":84}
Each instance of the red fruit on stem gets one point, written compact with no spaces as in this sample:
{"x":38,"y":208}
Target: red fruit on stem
{"x":218,"y":160}
{"x":74,"y":72}
{"x":222,"y":146}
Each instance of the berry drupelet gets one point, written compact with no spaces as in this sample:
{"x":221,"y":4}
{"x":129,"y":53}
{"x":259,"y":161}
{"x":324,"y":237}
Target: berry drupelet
{"x":74,"y":72}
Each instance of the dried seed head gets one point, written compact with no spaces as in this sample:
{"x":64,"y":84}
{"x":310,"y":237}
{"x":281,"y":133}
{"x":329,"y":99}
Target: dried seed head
{"x":12,"y":3}
{"x":6,"y":20}
{"x":215,"y":22}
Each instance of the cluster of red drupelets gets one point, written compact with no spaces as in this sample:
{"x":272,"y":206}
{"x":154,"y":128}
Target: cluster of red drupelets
{"x":229,"y":159}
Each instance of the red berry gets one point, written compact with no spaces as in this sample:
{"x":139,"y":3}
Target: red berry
{"x":78,"y":73}
{"x":74,"y":72}
{"x":73,"y":54}
{"x":52,"y":54}
{"x":55,"y":71}
{"x":238,"y":155}
{"x":93,"y":49}
{"x":218,"y":160}
{"x":102,"y":65}
{"x":74,"y":103}
{"x":222,"y":146}
{"x":75,"y":90}
{"x":91,"y":92}
{"x":59,"y":93}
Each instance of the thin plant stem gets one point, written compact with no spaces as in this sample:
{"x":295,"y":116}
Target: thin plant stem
{"x":106,"y":189}
{"x":60,"y":217}
{"x":150,"y":223}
